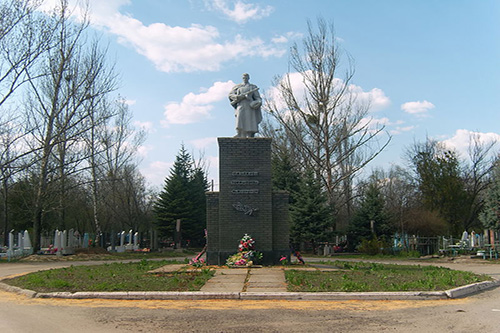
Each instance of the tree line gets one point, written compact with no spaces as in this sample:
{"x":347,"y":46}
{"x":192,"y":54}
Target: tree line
{"x":67,"y":147}
{"x":67,"y":144}
{"x":323,"y":142}
{"x":323,"y":138}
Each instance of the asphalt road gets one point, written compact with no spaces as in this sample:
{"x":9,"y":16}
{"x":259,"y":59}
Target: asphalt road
{"x":476,"y":313}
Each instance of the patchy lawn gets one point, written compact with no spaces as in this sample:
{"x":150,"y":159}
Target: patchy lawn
{"x":360,"y":276}
{"x":113,"y":277}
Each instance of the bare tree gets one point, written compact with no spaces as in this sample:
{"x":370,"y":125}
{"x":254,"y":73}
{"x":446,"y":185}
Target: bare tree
{"x":452,"y":185}
{"x":24,"y":36}
{"x":113,"y":146}
{"x":71,"y":133}
{"x":400,"y":194}
{"x":9,"y":135}
{"x":95,"y":152}
{"x":325,"y":122}
{"x":477,"y":176}
{"x":58,"y":102}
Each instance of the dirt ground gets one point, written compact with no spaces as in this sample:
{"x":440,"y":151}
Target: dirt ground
{"x":476,"y":313}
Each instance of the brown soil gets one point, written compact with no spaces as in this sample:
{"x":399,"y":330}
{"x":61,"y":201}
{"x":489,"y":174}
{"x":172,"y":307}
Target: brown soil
{"x":80,"y":255}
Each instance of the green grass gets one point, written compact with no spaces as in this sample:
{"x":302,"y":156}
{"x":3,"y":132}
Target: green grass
{"x":398,"y":256}
{"x":348,"y":277}
{"x":112,"y":277}
{"x":362,"y":277}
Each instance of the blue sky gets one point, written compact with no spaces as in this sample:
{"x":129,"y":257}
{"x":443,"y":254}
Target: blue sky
{"x":431,"y":68}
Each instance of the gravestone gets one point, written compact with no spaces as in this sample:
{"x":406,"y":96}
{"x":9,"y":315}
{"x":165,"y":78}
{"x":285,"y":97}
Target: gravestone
{"x":27,"y":242}
{"x":246,"y":204}
{"x":11,"y":241}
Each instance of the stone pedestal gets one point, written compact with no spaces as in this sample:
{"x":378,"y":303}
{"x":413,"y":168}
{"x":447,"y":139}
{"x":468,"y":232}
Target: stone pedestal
{"x":246,"y":203}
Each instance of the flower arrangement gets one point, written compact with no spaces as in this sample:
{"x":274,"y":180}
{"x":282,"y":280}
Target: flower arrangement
{"x":237,"y":260}
{"x":198,"y":263}
{"x":247,"y":243}
{"x":246,"y":255}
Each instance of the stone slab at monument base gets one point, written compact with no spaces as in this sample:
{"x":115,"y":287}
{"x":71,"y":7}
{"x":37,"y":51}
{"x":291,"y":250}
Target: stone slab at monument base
{"x":246,"y":203}
{"x":268,"y":257}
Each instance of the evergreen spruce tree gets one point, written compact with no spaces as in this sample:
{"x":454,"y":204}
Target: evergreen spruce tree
{"x":372,"y":208}
{"x":198,"y":188}
{"x":285,"y":175}
{"x":183,"y":197}
{"x":311,"y":218}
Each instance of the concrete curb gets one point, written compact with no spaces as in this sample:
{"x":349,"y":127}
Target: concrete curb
{"x":344,"y":296}
{"x":459,"y":292}
{"x":470,"y":289}
{"x":25,"y":292}
{"x":142,"y":295}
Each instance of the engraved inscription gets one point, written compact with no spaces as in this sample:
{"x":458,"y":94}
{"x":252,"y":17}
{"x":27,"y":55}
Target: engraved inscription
{"x":245,"y":173}
{"x":252,"y":191}
{"x":245,"y":182}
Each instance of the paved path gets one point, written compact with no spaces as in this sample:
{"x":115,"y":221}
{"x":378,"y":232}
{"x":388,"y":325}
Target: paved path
{"x":247,"y":280}
{"x":262,"y":280}
{"x":226,"y":280}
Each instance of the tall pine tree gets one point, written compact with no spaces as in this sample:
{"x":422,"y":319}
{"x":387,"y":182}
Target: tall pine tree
{"x":183,"y":197}
{"x":285,"y":175}
{"x":311,"y":218}
{"x":371,"y":210}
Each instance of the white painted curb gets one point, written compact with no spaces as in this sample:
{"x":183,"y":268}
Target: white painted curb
{"x":459,"y":292}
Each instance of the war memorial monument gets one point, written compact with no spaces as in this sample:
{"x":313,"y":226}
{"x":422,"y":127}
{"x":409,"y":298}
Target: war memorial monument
{"x":246,"y":203}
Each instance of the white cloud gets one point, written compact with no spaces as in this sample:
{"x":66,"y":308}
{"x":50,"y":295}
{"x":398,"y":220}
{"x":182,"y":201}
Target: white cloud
{"x":196,"y":107}
{"x":203,"y":142}
{"x":144,"y":150}
{"x":174,"y":48}
{"x":420,"y":109}
{"x":372,"y":124}
{"x":279,"y":39}
{"x":99,"y":9}
{"x":462,"y":139}
{"x":296,"y":82}
{"x":401,"y":129}
{"x":147,"y":126}
{"x":376,"y":97}
{"x":285,"y":38}
{"x":180,"y":49}
{"x":240,"y":11}
{"x":156,"y":172}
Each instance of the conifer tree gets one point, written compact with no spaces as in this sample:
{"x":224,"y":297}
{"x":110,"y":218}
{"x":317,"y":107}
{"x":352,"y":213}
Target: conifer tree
{"x":183,"y":197}
{"x":311,"y":218}
{"x":285,"y":175}
{"x":371,"y":211}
